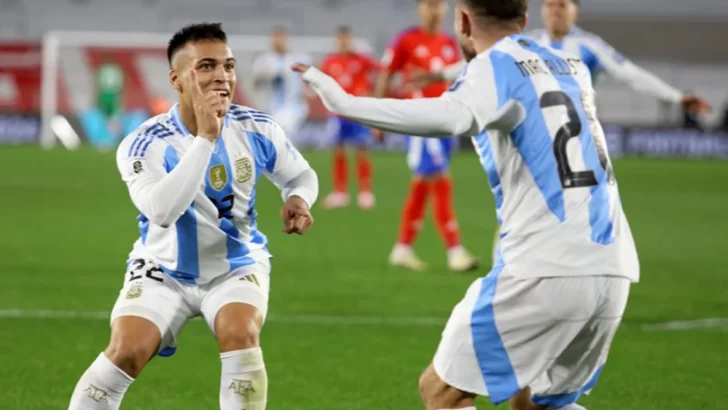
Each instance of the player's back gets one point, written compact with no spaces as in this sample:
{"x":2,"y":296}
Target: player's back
{"x":546,"y":159}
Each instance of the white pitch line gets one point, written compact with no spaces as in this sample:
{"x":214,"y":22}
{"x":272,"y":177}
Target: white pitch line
{"x":312,"y":319}
{"x":397,"y":321}
{"x":709,"y":323}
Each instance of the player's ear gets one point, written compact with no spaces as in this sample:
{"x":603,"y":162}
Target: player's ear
{"x":174,"y":80}
{"x":466,"y":23}
{"x":524,"y":23}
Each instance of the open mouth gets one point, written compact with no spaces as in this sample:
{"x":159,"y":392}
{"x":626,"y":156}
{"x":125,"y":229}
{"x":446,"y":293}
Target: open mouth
{"x":223,"y":93}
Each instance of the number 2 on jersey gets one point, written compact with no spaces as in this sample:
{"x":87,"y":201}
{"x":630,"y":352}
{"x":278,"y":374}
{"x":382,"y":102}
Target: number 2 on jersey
{"x":224,"y":206}
{"x":572,"y":129}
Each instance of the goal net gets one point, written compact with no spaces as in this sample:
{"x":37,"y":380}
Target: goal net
{"x":70,"y":110}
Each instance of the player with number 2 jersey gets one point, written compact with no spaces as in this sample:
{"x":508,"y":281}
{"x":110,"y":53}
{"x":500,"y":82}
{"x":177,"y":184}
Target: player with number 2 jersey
{"x":537,"y":330}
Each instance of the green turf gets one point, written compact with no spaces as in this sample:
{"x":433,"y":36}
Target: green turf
{"x":69,"y":225}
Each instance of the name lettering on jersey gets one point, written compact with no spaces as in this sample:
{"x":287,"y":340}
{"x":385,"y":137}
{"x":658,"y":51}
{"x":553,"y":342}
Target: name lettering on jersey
{"x":243,"y":170}
{"x":558,"y":66}
{"x":218,"y":177}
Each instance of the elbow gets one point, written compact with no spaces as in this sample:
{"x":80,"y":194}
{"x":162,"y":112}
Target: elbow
{"x":162,"y":217}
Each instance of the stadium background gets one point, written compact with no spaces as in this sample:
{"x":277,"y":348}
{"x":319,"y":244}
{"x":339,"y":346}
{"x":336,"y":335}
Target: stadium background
{"x":345,"y":331}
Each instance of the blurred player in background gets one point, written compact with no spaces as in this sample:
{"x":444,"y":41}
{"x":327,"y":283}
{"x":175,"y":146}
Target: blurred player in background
{"x":352,"y":70}
{"x":192,"y":174}
{"x":537,"y":330}
{"x":285,"y":92}
{"x":426,"y":47}
{"x":109,"y":85}
{"x":559,"y":18}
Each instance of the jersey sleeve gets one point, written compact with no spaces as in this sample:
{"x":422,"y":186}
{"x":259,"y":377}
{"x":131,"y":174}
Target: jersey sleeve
{"x":434,"y":117}
{"x":159,"y":190}
{"x":395,"y":56}
{"x":619,"y":67}
{"x":477,"y":89}
{"x":285,"y":165}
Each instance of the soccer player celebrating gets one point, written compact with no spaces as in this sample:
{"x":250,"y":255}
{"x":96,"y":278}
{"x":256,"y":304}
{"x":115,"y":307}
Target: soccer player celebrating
{"x":352,"y":70}
{"x":559,"y":18}
{"x":286,"y":93}
{"x":192,"y":174}
{"x":426,"y":47}
{"x":537,"y":330}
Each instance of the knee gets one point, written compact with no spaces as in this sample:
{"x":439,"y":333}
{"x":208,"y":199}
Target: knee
{"x":429,"y":384}
{"x":239,"y":334}
{"x":436,"y":394}
{"x":129,"y":356}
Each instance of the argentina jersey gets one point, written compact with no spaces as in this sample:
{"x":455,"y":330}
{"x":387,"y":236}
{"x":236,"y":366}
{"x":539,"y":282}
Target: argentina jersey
{"x":544,"y":152}
{"x":217,"y":233}
{"x":591,"y":49}
{"x":601,"y":58}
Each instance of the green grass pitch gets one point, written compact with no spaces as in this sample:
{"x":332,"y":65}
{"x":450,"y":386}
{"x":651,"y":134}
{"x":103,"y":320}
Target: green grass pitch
{"x":69,"y":225}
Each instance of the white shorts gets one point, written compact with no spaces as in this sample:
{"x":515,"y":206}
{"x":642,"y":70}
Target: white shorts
{"x":153,"y":295}
{"x":550,"y":334}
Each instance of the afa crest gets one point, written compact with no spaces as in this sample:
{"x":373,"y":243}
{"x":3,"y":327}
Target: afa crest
{"x":218,"y":177}
{"x":243,"y":170}
{"x":134,"y":291}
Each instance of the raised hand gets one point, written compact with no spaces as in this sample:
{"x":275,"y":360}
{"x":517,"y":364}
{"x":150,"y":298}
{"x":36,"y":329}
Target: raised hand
{"x":209,"y":109}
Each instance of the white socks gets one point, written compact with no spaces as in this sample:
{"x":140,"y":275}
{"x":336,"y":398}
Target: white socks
{"x":244,"y":382}
{"x":101,"y":387}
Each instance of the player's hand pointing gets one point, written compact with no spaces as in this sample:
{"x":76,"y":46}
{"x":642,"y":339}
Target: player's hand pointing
{"x":296,"y":216}
{"x":300,"y":68}
{"x":209,"y":109}
{"x":695,"y":104}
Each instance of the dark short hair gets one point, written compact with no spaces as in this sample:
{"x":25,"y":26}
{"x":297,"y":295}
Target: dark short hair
{"x":193,"y":33}
{"x":576,"y":2}
{"x":344,"y":30}
{"x":498,"y":11}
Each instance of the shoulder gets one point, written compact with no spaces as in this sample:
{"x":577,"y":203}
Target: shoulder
{"x":254,"y":123}
{"x":149,"y":135}
{"x":329,"y":59}
{"x":405,"y":35}
{"x":588,"y":39}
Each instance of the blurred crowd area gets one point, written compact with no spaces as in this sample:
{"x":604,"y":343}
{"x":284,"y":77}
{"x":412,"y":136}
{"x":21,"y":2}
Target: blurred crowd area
{"x":107,"y":90}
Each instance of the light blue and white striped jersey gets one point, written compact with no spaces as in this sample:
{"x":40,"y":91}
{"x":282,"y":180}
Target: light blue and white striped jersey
{"x":286,"y":87}
{"x":218,"y":232}
{"x":545,"y":155}
{"x":601,"y":58}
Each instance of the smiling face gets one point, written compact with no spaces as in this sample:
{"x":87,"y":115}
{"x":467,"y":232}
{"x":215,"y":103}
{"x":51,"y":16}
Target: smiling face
{"x":214,"y":65}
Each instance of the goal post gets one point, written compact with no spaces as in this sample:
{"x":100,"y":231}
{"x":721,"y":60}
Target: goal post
{"x":69,"y":60}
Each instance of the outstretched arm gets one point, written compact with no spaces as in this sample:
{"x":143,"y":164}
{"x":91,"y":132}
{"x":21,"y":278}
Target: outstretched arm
{"x":642,"y":80}
{"x":434,"y":117}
